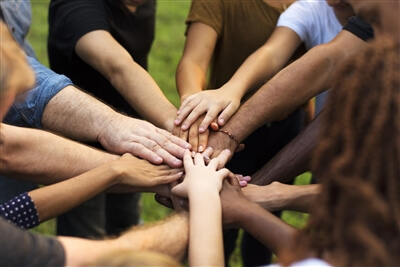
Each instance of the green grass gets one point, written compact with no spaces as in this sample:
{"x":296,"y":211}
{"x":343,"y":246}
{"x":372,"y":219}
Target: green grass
{"x":166,"y":52}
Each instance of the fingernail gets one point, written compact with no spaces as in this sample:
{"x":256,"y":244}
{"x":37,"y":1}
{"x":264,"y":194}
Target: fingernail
{"x":177,"y":162}
{"x":242,"y":183}
{"x":206,"y":157}
{"x":201,"y":148}
{"x":201,"y":129}
{"x":184,"y":127}
{"x":221,"y":121}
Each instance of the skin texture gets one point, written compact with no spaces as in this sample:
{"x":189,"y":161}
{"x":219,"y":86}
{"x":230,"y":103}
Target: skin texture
{"x":116,"y":132}
{"x":239,"y":212}
{"x":173,"y":231}
{"x":220,"y":104}
{"x":99,"y":50}
{"x":287,"y":90}
{"x":278,"y":196}
{"x":201,"y":186}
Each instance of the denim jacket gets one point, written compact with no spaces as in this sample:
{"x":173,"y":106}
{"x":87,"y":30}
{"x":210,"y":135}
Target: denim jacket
{"x":28,"y":108}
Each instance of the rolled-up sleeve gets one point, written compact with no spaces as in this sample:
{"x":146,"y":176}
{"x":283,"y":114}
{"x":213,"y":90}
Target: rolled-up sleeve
{"x":28,"y":108}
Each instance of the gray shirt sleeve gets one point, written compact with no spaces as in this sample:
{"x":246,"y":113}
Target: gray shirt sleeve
{"x":22,"y":248}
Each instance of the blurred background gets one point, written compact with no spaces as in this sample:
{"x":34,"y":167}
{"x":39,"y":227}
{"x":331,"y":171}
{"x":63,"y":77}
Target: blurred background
{"x":165,"y":54}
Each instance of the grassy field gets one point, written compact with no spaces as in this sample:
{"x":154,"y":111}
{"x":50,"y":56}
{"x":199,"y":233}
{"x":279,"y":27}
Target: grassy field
{"x":166,"y":51}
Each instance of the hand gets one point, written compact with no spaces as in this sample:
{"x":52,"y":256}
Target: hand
{"x":140,"y":173}
{"x":232,"y":200}
{"x":199,"y":176}
{"x":220,"y":141}
{"x":197,"y":140}
{"x":277,"y":196}
{"x":142,"y":139}
{"x":212,"y":102}
{"x":270,"y":197}
{"x":243,"y":180}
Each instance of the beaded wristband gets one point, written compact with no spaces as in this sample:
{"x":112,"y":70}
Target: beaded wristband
{"x":230,"y":135}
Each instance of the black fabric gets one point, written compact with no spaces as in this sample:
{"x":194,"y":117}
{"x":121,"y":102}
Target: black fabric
{"x":360,"y":28}
{"x":69,"y":20}
{"x":21,"y":248}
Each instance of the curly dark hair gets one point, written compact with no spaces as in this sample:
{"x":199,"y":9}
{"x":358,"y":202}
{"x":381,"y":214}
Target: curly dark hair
{"x":356,"y":219}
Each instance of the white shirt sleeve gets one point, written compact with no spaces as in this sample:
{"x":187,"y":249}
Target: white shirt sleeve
{"x":313,"y":21}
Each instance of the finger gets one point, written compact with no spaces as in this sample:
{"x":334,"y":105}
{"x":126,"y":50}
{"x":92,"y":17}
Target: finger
{"x":194,"y":138}
{"x":187,"y":159}
{"x":176,"y":131}
{"x":224,"y":172}
{"x":207,"y":154}
{"x":224,"y":157}
{"x":184,"y":135}
{"x":240,"y":177}
{"x":226,"y":114}
{"x":233,"y":180}
{"x":214,"y":163}
{"x":164,"y":201}
{"x":199,"y":160}
{"x":239,"y":148}
{"x":193,"y":116}
{"x":173,"y":140}
{"x":203,"y":140}
{"x":211,"y":115}
{"x":184,"y":110}
{"x":188,"y":115}
{"x":214,"y":125}
{"x":185,"y":103}
{"x":170,"y":178}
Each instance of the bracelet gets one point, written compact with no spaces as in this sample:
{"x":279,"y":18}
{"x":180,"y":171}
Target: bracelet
{"x":230,"y":135}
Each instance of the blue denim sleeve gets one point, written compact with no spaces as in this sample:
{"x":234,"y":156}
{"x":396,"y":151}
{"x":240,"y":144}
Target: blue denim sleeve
{"x":28,"y":108}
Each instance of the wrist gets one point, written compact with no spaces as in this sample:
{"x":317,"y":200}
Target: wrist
{"x":231,"y":139}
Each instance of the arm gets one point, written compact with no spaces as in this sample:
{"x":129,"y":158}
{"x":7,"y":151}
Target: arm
{"x":255,"y":70}
{"x":53,"y":200}
{"x":277,"y":196}
{"x":293,"y":159}
{"x":287,"y":90}
{"x":45,"y":158}
{"x":101,"y":51}
{"x":202,"y":185}
{"x":169,"y":236}
{"x":117,"y":133}
{"x":238,"y":211}
{"x":191,"y":75}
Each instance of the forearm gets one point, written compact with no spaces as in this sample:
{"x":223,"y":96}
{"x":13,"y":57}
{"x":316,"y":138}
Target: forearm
{"x":284,"y":93}
{"x":144,"y":95}
{"x":277,"y":196}
{"x":77,"y":115}
{"x":257,"y":69}
{"x":205,"y":246}
{"x":168,"y":236}
{"x":293,"y":159}
{"x":45,"y":158}
{"x":270,"y":230}
{"x":56,"y":199}
{"x":190,"y":79}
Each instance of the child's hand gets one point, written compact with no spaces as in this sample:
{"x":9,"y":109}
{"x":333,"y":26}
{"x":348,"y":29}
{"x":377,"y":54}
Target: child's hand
{"x":199,"y":176}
